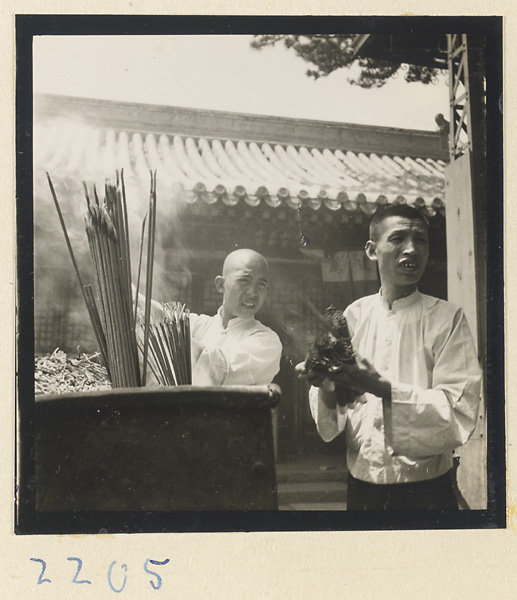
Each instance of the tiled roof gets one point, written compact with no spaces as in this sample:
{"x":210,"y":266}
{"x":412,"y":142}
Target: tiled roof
{"x":199,"y":169}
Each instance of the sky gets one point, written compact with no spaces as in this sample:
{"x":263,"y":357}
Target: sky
{"x":225,"y":73}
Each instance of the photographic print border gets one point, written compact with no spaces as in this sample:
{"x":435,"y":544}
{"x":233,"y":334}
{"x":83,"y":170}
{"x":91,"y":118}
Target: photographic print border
{"x":28,"y":520}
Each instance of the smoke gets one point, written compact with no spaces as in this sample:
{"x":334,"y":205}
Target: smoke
{"x":299,"y":297}
{"x":72,"y":151}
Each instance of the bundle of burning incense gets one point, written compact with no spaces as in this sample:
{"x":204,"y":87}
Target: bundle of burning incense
{"x":112,"y":314}
{"x":169,"y":345}
{"x":334,"y":348}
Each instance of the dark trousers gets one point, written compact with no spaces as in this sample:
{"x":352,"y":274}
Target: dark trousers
{"x":433,"y":494}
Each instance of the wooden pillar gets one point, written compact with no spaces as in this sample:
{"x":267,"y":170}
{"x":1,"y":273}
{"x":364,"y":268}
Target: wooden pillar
{"x":466,"y":231}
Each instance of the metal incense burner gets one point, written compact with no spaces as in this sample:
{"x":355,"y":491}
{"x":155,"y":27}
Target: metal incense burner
{"x":163,"y":449}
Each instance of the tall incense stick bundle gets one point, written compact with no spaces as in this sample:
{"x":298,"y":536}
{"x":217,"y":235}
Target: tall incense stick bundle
{"x":112,"y":315}
{"x":109,"y":248}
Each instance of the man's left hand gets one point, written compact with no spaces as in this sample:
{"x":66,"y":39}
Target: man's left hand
{"x":362,"y":377}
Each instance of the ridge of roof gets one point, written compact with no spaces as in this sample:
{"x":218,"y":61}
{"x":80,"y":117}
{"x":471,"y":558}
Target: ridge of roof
{"x":209,"y":111}
{"x":195,"y":122}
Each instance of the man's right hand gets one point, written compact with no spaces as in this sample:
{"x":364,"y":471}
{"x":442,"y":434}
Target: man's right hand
{"x":314,"y":377}
{"x":196,"y":349}
{"x":320,"y":380}
{"x":330,"y":393}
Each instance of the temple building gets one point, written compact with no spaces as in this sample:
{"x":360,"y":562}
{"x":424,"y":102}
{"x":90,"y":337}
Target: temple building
{"x":300,"y":192}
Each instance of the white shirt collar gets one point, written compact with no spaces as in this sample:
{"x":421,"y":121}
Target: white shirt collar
{"x":401,"y":303}
{"x":232,"y":323}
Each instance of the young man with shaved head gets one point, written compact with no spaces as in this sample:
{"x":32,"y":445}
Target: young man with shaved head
{"x":232,"y":347}
{"x":412,"y":395}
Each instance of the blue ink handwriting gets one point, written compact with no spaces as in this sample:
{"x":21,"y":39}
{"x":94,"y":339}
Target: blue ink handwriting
{"x":117,"y":577}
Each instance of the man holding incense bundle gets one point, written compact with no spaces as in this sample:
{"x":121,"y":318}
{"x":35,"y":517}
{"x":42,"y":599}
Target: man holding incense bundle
{"x":410,"y":395}
{"x":232,"y":347}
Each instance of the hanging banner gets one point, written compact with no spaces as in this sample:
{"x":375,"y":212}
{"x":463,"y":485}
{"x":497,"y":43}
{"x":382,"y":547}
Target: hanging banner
{"x":348,"y":266}
{"x":363,"y":269}
{"x":336,"y":268}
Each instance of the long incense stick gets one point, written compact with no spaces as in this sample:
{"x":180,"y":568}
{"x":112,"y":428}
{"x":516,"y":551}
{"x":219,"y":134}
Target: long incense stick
{"x":139,"y":266}
{"x":88,"y":300}
{"x":149,"y":279}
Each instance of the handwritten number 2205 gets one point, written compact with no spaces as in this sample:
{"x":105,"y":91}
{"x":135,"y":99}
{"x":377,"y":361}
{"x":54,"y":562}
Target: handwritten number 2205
{"x":155,"y":586}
